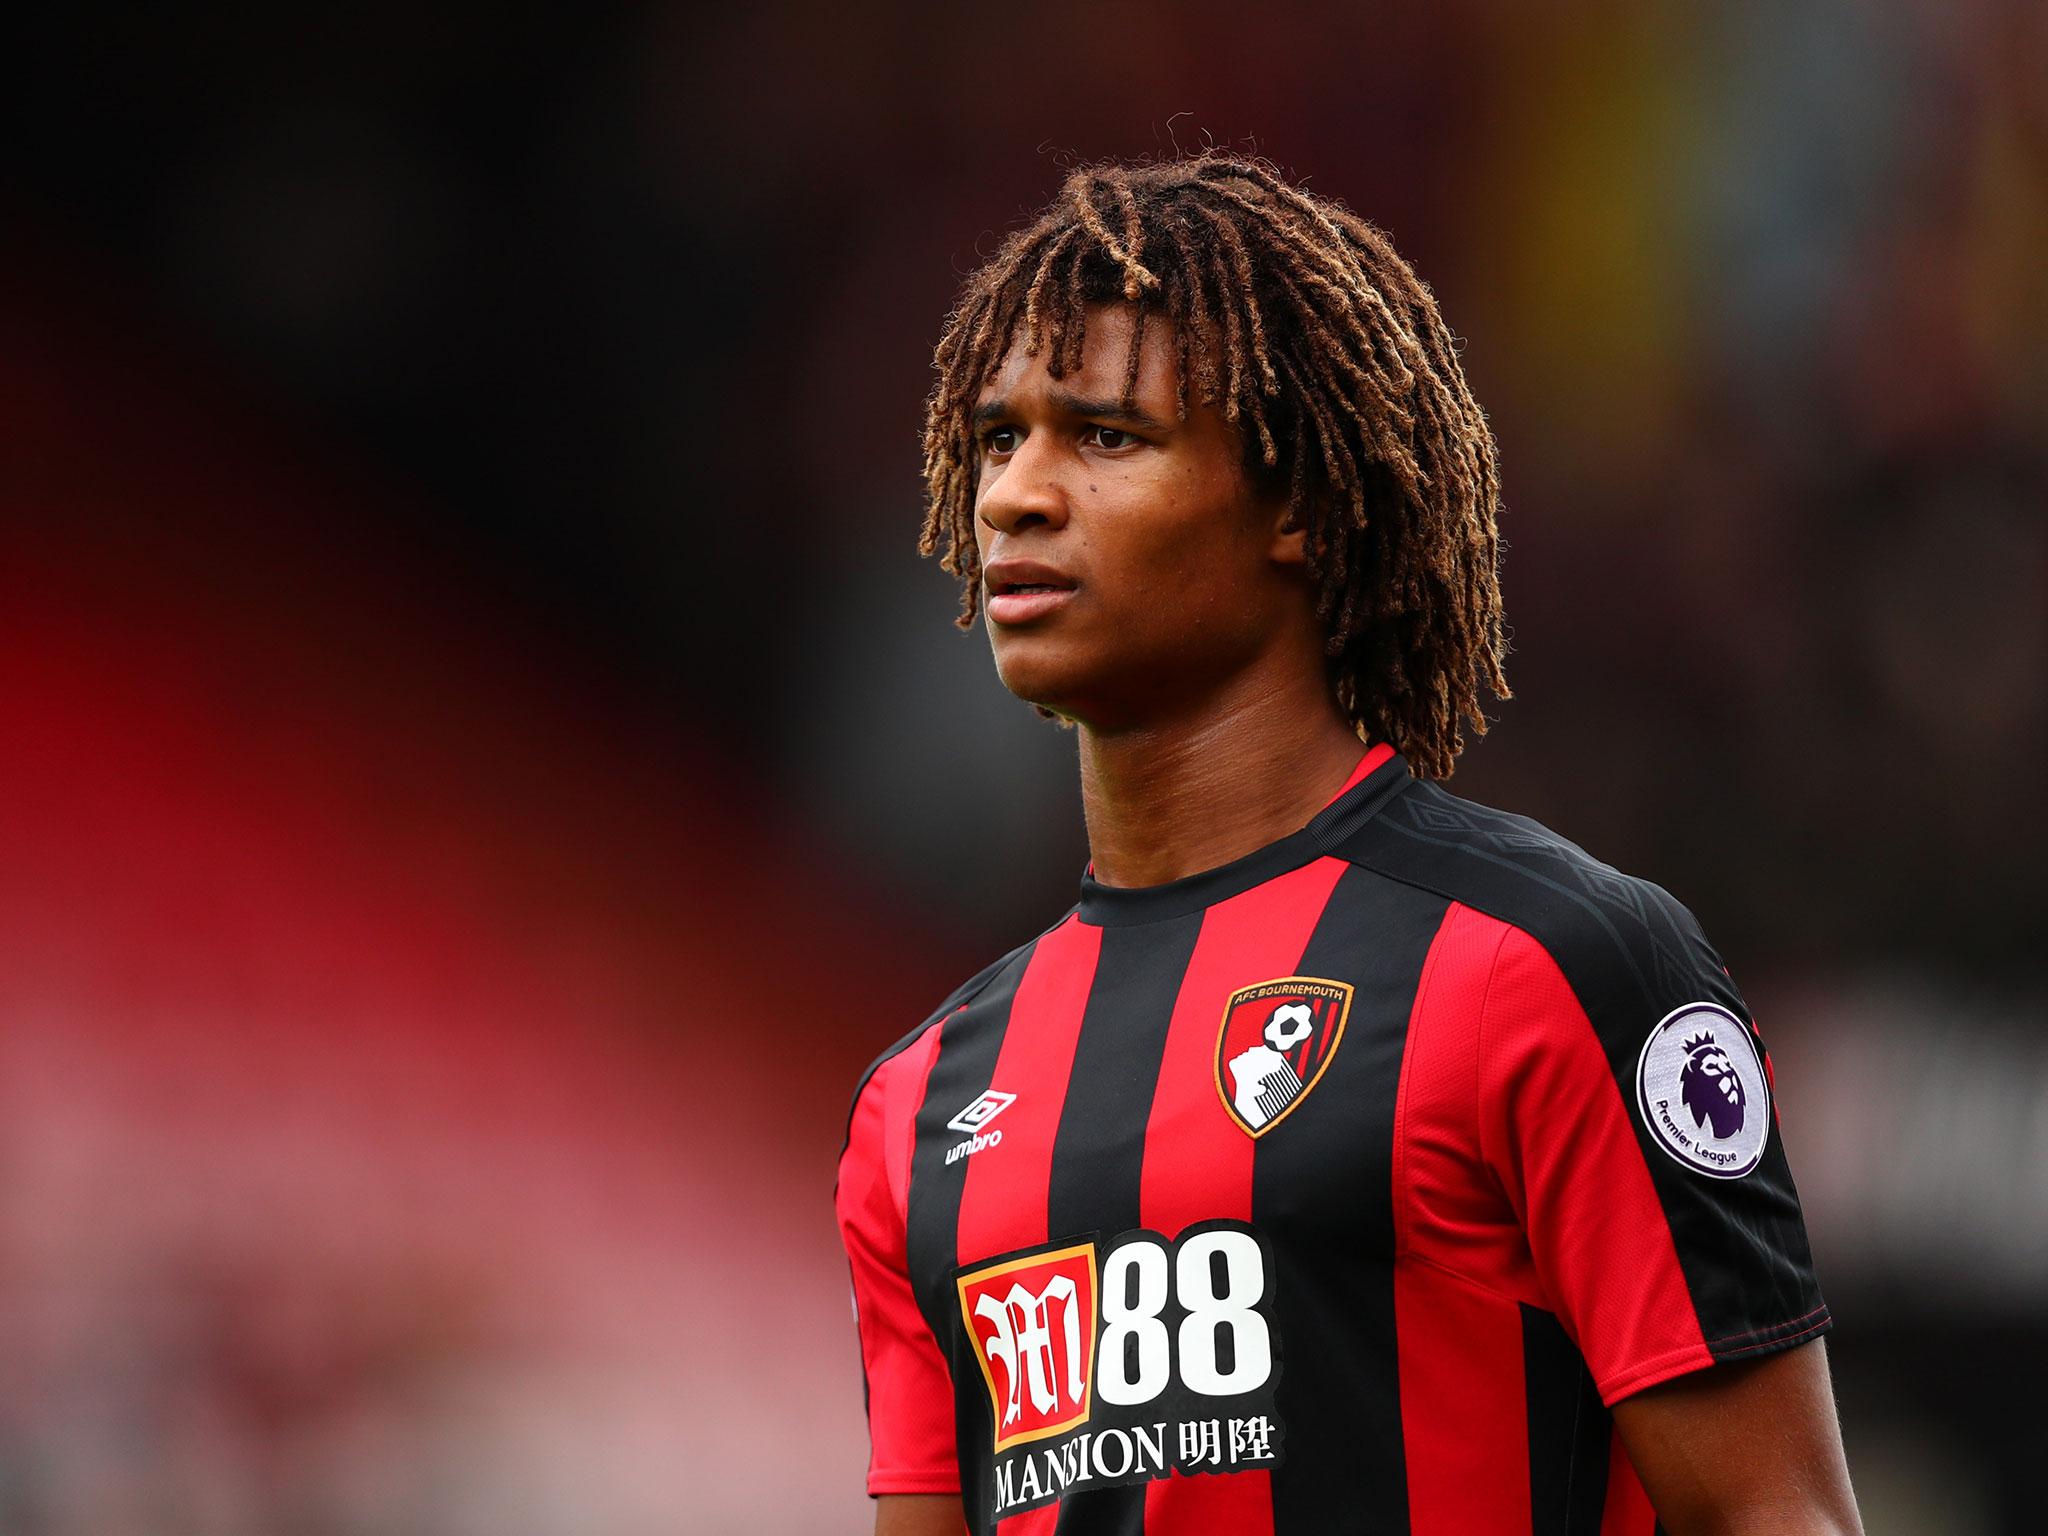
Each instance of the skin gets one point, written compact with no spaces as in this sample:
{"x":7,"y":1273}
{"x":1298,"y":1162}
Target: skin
{"x":1189,"y":657}
{"x":1744,"y":1449}
{"x":919,"y":1514}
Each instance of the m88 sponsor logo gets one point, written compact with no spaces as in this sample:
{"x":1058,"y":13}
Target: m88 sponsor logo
{"x":1119,"y":1360}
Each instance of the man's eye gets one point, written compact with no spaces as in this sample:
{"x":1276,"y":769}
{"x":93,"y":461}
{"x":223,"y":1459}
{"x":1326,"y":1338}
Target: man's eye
{"x":1110,"y":437}
{"x":999,"y":440}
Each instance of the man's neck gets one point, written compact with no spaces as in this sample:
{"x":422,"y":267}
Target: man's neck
{"x":1175,"y":797}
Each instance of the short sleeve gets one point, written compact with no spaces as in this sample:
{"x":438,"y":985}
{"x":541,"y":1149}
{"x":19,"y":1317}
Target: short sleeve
{"x":1626,"y":1108}
{"x":909,"y":1390}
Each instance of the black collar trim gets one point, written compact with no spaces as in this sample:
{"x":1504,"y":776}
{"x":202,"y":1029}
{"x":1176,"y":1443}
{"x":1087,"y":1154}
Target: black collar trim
{"x":1111,"y":906}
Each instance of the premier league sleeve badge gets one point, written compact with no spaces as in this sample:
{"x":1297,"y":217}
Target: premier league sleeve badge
{"x":1703,"y":1093}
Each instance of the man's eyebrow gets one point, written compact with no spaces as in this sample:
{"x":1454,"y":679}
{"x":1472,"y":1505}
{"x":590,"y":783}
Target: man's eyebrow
{"x":1106,"y":410}
{"x":1076,"y":405}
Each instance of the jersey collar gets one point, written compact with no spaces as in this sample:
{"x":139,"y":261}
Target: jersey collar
{"x":1380,"y":774}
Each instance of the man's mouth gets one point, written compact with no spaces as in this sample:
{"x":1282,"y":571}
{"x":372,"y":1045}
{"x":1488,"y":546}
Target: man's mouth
{"x":1021,"y":591}
{"x":1024,"y":576}
{"x":1012,"y":602}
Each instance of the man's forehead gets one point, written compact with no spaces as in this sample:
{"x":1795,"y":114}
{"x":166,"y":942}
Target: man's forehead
{"x":1105,"y":360}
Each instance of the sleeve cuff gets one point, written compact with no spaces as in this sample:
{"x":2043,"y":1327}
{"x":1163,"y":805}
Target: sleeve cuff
{"x":946,"y":1480}
{"x":1698,"y":1357}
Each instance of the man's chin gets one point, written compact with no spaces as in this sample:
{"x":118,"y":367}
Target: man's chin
{"x":1045,"y":703}
{"x":1104,"y":693}
{"x":1056,"y":690}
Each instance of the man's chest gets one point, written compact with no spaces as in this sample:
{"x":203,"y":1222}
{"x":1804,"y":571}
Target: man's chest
{"x":1263,"y":1099}
{"x":1153,"y":1168}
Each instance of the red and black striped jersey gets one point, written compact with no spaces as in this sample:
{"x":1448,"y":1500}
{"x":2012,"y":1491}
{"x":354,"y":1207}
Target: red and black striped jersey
{"x":1345,"y":1187}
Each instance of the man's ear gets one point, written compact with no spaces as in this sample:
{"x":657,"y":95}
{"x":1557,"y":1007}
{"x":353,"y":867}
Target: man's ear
{"x":1290,"y":536}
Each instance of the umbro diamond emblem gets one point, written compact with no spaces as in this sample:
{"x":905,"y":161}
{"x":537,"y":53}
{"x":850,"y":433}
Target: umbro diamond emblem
{"x":981,"y":1111}
{"x":972,"y":1119}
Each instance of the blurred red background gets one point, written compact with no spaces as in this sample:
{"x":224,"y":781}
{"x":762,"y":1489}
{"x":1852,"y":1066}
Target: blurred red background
{"x":484,"y":768}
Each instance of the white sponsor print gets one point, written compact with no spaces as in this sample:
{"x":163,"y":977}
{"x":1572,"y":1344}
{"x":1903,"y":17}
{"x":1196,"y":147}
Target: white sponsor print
{"x":1703,"y":1092}
{"x":1032,"y":1473}
{"x":1160,"y":1362}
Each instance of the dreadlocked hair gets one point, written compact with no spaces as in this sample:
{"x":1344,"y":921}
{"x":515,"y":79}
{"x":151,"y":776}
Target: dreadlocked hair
{"x":1326,"y":351}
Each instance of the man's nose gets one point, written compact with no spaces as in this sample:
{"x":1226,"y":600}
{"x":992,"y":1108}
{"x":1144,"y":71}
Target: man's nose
{"x":1027,"y":490}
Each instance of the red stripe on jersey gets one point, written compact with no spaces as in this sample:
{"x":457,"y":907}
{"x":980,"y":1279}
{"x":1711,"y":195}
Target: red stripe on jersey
{"x":1628,"y":1511}
{"x":1374,"y":756}
{"x":1198,"y":1161}
{"x":1003,"y":1204}
{"x":1448,"y":1209}
{"x":1562,"y":1141}
{"x":1461,"y":1386}
{"x":910,"y":1395}
{"x":902,"y":1097}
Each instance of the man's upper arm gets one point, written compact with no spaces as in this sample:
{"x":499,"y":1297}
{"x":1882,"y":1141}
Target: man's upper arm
{"x":1627,"y":1113}
{"x":918,"y":1514}
{"x":1744,"y":1449}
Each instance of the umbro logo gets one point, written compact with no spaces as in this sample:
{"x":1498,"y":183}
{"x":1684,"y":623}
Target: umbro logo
{"x":981,"y":1111}
{"x":972,"y":1119}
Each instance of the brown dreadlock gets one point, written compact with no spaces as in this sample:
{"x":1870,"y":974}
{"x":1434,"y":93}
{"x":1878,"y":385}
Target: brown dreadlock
{"x":1299,"y":318}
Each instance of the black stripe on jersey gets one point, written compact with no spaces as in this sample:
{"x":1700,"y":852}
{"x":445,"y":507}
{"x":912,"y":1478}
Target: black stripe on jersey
{"x":1098,"y":1156}
{"x":969,"y":1042}
{"x":1345,"y":1468}
{"x":1569,"y":1432}
{"x":960,"y":994}
{"x":1631,"y":954}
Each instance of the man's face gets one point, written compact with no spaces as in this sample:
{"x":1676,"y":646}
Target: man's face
{"x":1129,"y":569}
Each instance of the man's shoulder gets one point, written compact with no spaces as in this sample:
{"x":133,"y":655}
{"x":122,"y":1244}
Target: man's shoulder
{"x":960,"y":997}
{"x":1604,"y":928}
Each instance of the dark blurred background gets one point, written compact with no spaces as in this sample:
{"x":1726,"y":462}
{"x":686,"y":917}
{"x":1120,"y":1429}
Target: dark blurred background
{"x":484,"y":768}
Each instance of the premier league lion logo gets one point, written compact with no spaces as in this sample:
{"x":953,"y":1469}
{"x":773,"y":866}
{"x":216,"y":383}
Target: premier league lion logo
{"x":1704,"y":1091}
{"x":1709,"y":1086}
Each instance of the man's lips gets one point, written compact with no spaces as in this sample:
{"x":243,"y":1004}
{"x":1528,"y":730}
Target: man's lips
{"x":1022,"y":590}
{"x":1022,"y":604}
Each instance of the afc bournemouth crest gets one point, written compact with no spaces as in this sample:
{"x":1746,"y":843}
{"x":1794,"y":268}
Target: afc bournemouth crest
{"x":1276,"y":1040}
